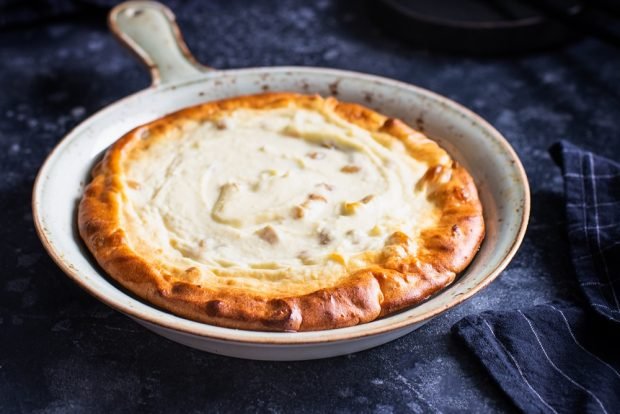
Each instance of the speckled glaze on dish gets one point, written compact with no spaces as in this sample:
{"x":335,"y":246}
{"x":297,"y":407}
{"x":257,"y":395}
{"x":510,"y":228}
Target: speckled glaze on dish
{"x":178,"y":81}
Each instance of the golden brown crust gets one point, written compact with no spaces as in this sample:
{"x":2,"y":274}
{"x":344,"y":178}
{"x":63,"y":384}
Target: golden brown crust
{"x":399,"y":278}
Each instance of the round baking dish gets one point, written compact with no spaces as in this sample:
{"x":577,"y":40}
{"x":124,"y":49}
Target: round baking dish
{"x":148,"y":28}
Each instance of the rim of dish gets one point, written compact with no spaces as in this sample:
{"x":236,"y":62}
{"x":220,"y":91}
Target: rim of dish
{"x":166,"y":320}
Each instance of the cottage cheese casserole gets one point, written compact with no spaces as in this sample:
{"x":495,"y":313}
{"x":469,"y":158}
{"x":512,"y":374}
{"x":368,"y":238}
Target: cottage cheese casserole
{"x":280,"y":212}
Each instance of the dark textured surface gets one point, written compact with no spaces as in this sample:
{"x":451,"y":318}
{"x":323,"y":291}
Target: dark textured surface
{"x":62,"y":351}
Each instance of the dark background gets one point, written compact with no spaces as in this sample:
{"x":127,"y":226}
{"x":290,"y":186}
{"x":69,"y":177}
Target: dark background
{"x":62,"y":351}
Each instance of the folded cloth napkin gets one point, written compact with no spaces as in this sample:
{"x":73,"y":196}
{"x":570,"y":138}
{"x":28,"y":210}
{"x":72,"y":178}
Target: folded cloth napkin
{"x":559,"y":357}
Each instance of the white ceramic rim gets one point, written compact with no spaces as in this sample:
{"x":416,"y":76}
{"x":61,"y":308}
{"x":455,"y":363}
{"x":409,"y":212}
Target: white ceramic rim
{"x":372,"y":328}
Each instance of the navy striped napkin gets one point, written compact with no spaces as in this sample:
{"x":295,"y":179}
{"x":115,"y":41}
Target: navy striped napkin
{"x":559,"y":357}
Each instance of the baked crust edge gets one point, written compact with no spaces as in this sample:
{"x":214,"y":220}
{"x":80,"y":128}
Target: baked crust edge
{"x":397,"y":281}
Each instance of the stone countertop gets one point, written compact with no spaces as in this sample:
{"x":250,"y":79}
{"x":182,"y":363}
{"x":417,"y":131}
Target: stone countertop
{"x":63,"y":351}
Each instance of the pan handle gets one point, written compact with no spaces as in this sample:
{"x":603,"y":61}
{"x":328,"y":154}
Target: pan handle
{"x":150,"y":31}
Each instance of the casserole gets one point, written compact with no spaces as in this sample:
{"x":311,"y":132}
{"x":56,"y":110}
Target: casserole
{"x":178,"y":82}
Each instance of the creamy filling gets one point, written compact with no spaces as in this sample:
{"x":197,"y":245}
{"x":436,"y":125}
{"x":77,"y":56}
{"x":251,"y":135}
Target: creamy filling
{"x":271,"y":189}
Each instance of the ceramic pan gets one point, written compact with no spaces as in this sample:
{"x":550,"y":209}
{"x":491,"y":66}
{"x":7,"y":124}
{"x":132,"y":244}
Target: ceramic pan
{"x":149,"y":30}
